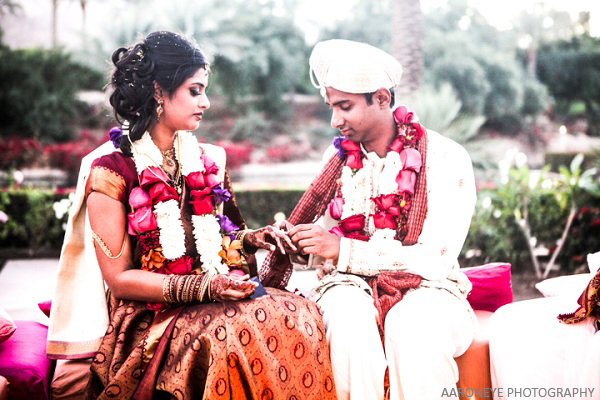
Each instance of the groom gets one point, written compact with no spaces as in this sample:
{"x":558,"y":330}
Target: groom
{"x":384,"y":222}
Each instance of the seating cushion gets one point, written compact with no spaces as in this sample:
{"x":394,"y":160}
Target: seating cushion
{"x":492,"y":286}
{"x":566,"y":285}
{"x":7,"y":325}
{"x":23,"y":362}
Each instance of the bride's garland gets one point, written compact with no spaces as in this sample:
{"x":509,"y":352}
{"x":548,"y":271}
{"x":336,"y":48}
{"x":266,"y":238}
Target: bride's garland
{"x":156,"y":214}
{"x":352,"y":207}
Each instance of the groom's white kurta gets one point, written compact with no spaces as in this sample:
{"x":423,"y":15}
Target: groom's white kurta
{"x":432,"y":324}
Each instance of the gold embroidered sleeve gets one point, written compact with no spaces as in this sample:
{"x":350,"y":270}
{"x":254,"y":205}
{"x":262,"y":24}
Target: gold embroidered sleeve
{"x":106,"y":181}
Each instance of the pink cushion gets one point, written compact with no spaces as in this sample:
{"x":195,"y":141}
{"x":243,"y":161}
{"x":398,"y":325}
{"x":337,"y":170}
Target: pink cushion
{"x":492,"y":287}
{"x":7,"y":325}
{"x":23,"y":362}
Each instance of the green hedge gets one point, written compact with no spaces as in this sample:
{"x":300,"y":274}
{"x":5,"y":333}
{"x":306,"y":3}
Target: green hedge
{"x":33,"y":225}
{"x":259,"y":206}
{"x":33,"y":228}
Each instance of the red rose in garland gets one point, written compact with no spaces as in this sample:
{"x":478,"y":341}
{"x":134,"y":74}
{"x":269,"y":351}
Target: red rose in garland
{"x":138,"y":198}
{"x":353,"y":223}
{"x":142,"y":220}
{"x":353,"y":153}
{"x":406,"y":181}
{"x":151,"y":176}
{"x":195,"y":180}
{"x":336,"y":208}
{"x":384,"y":220}
{"x":162,"y":191}
{"x":210,"y":167}
{"x":411,"y":159}
{"x":201,"y":201}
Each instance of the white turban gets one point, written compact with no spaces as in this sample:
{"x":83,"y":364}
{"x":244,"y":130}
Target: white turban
{"x":352,"y":67}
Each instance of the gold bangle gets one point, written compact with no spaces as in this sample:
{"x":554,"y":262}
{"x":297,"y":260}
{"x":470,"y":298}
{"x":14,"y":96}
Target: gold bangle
{"x":243,"y":250}
{"x":173,"y":287}
{"x":165,"y":288}
{"x":204,"y":290}
{"x":105,"y":248}
{"x":197,"y":285}
{"x":180,"y":284}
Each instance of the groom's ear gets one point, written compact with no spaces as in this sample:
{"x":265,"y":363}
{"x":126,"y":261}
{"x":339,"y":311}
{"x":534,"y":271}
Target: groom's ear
{"x":382,"y":97}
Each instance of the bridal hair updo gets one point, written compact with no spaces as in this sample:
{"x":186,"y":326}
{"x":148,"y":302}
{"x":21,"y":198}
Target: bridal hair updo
{"x":163,"y":57}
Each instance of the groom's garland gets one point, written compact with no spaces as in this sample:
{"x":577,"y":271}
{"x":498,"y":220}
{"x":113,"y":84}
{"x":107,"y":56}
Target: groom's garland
{"x":352,"y":207}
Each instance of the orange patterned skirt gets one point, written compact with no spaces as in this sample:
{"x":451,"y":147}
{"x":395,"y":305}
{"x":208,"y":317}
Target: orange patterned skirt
{"x":273,"y":347}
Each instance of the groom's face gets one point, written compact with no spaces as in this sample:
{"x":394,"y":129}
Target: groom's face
{"x":352,"y":115}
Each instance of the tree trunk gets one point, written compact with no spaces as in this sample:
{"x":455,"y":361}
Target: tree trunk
{"x":83,"y":4}
{"x":54,"y":23}
{"x":407,"y":42}
{"x":563,"y":239}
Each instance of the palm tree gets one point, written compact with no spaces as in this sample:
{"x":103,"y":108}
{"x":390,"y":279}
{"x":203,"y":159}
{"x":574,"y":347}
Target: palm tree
{"x":407,"y":42}
{"x":82,"y":4}
{"x":54,"y":23}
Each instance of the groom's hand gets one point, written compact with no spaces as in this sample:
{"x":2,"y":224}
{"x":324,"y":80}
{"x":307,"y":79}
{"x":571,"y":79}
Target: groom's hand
{"x":312,"y":239}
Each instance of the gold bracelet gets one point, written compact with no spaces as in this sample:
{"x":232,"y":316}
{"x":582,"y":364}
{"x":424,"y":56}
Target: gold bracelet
{"x":197,"y":284}
{"x":165,"y":289}
{"x":173,"y":287}
{"x":205,"y":286}
{"x":105,"y":248}
{"x":241,"y":239}
{"x":179,"y":294}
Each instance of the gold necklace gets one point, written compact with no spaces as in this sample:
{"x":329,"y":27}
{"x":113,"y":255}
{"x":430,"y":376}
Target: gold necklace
{"x":175,"y":181}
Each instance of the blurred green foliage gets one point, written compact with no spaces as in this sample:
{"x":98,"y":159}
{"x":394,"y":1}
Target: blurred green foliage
{"x":571,"y":70}
{"x":534,"y":206}
{"x":32,"y":222}
{"x":38,"y":92}
{"x":259,"y":206}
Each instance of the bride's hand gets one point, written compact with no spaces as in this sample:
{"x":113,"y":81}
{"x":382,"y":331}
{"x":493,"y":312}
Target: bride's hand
{"x":269,"y":236}
{"x":230,"y":287}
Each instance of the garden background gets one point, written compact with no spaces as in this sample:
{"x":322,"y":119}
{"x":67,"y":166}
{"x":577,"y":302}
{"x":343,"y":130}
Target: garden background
{"x":521,"y":94}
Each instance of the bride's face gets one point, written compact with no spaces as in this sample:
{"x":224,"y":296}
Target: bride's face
{"x":184,"y":110}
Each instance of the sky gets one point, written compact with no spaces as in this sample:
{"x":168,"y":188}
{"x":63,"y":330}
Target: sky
{"x":33,"y":30}
{"x":498,"y":13}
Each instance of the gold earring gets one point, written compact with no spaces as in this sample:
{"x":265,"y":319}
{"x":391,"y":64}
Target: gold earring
{"x":159,"y":109}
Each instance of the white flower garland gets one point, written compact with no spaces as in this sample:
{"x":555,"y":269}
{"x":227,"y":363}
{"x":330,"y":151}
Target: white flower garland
{"x":172,"y":235}
{"x":207,"y":235}
{"x":356,"y":198}
{"x":357,"y":190}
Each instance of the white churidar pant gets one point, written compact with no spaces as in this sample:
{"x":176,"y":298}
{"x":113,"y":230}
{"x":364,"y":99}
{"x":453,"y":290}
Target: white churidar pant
{"x":423,"y":334}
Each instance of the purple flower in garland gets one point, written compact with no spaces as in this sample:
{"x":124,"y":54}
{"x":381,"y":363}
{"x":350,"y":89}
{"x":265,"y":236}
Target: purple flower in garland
{"x":337,"y":143}
{"x":220,"y":195}
{"x":226,"y":225}
{"x":115,"y":136}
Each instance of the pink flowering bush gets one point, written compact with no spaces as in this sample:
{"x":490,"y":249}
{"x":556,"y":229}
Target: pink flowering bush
{"x":238,"y":153}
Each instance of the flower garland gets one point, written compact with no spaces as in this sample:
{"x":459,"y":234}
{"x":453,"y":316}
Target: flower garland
{"x":156,"y":214}
{"x":352,"y":207}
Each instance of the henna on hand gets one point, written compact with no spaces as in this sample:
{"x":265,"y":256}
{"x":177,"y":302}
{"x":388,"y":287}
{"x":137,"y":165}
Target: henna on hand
{"x":229,"y":287}
{"x":270,"y":238}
